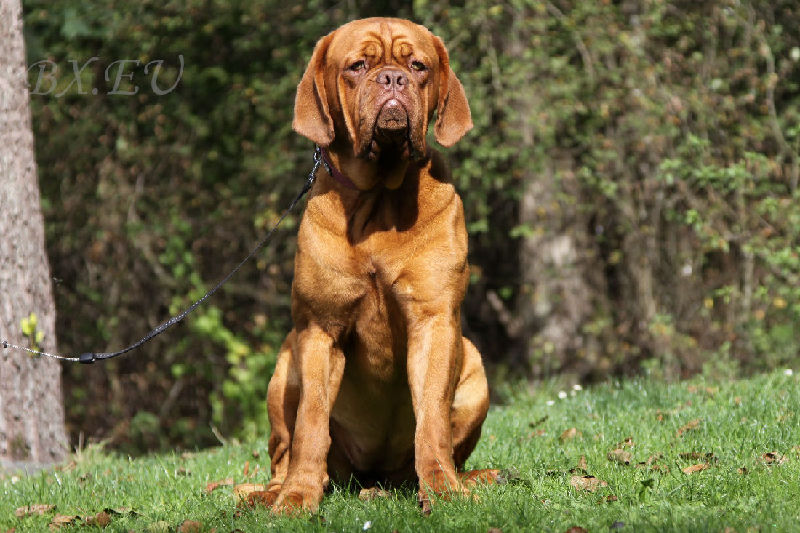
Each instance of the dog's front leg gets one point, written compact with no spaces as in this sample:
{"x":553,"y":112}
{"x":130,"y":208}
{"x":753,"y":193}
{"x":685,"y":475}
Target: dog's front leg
{"x":320,"y":367}
{"x":435,"y":355}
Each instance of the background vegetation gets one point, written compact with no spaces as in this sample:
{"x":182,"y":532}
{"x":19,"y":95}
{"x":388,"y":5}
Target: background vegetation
{"x":630,"y":189}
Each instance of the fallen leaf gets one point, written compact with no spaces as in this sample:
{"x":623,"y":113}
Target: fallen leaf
{"x":509,"y":475}
{"x":246,"y":468}
{"x":576,"y":529}
{"x":695,"y":468}
{"x":743,"y":470}
{"x":569,"y":434}
{"x":101,"y":519}
{"x":536,"y":433}
{"x":36,"y":508}
{"x":773,"y":458}
{"x":242,"y":490}
{"x":190,"y":526}
{"x":256,"y":454}
{"x":371,"y":493}
{"x":653,"y":458}
{"x":183,"y":472}
{"x":61,"y":520}
{"x":582,"y":463}
{"x":211,"y":487}
{"x":697,"y":456}
{"x":627,"y":442}
{"x":162,"y":526}
{"x":690,"y":426}
{"x":491,"y":530}
{"x":539,"y":422}
{"x":587,"y":483}
{"x":710,"y":391}
{"x":608,"y":499}
{"x":119,"y":510}
{"x":620,"y":456}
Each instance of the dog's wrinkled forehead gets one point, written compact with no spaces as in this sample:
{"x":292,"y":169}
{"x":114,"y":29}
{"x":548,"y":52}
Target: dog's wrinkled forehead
{"x":381,"y":41}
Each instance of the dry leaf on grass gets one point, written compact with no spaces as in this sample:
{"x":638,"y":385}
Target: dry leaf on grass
{"x":620,"y":456}
{"x":243,"y":490}
{"x":576,"y":529}
{"x":627,"y":442}
{"x":690,"y":426}
{"x":101,"y":519}
{"x":539,"y":422}
{"x":61,"y":520}
{"x":587,"y":483}
{"x":162,"y":526}
{"x":695,"y":468}
{"x":569,"y":434}
{"x":190,"y":526}
{"x":211,"y":487}
{"x":36,"y":508}
{"x":696,"y":456}
{"x":773,"y":458}
{"x":366,"y":495}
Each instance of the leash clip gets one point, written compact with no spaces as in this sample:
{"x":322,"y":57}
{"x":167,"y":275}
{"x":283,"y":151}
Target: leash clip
{"x":318,"y":159}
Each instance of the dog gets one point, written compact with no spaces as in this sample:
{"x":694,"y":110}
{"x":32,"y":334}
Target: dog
{"x":376,"y":381}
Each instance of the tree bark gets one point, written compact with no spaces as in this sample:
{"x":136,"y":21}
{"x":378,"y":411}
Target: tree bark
{"x":555,"y":300}
{"x":32,"y":429}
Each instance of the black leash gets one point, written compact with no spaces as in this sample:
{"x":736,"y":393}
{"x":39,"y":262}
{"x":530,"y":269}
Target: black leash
{"x":91,"y":357}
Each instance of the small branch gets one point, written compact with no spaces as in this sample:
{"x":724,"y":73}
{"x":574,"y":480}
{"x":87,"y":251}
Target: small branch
{"x":580,"y":45}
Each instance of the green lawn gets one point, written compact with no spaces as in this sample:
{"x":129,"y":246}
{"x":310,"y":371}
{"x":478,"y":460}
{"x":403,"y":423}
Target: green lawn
{"x":745,"y":435}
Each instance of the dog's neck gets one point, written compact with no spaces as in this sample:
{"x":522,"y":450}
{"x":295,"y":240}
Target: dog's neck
{"x":365,"y":175}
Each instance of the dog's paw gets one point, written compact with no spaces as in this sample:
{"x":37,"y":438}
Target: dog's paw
{"x":440,"y":487}
{"x":293,"y":502}
{"x":262,"y":498}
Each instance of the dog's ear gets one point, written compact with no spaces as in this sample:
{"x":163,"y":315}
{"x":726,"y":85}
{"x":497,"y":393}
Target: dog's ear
{"x":311,"y":116}
{"x":454,"y":119}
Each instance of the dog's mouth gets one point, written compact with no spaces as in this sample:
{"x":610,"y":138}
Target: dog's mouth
{"x":391,"y":134}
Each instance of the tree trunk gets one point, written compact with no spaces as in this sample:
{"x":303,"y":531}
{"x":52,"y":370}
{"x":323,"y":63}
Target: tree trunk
{"x":555,"y":301}
{"x":32,"y":429}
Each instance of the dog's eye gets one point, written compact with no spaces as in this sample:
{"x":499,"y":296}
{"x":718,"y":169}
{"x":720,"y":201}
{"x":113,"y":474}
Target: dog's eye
{"x":419,"y":66}
{"x":358,"y":65}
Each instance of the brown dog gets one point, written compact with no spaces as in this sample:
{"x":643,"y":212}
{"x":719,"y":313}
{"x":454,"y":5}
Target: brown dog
{"x":376,"y":381}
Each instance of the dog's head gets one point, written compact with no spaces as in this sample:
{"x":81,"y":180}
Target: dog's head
{"x":375,"y":84}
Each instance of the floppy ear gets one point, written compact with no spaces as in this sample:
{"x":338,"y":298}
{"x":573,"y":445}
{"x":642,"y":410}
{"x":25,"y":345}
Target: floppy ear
{"x":311,"y":116}
{"x":454,"y":118}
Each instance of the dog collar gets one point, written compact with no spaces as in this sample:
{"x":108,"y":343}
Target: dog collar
{"x":335,"y":173}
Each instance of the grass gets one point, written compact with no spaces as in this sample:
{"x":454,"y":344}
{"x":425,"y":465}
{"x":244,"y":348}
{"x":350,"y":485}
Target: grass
{"x":746,"y":432}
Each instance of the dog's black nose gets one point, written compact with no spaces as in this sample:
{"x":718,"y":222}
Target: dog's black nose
{"x":393,"y":80}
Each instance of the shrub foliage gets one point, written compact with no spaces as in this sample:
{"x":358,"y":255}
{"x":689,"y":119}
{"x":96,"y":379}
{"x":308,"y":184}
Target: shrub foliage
{"x":630,"y":189}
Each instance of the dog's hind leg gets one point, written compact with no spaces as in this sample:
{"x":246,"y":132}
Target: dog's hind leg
{"x":470,"y":405}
